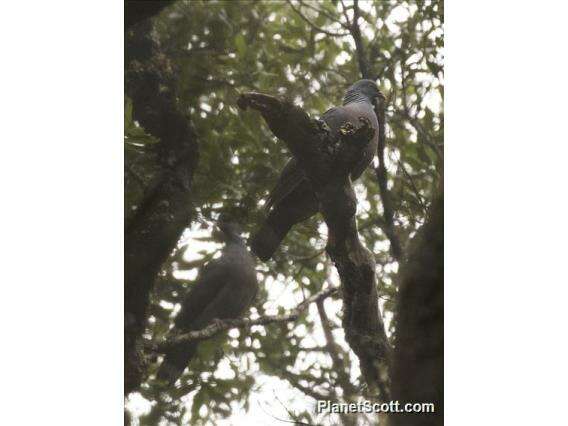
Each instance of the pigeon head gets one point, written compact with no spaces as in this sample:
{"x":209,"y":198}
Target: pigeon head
{"x":228,"y":232}
{"x":363,"y":90}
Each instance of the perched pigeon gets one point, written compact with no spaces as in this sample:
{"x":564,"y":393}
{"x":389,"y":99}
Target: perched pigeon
{"x":225,"y":289}
{"x":293,"y":200}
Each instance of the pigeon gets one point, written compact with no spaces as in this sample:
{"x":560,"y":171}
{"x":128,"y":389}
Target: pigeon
{"x":293,"y":200}
{"x":225,"y":289}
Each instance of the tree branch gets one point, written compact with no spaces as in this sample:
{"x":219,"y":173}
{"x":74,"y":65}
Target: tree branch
{"x":327,"y":164}
{"x":324,"y":13}
{"x":294,"y":380}
{"x":387,"y":225}
{"x":222,"y":325}
{"x":355,"y":31}
{"x":344,"y":11}
{"x":381,"y":172}
{"x":426,"y":137}
{"x":333,"y":351}
{"x":413,"y":186}
{"x":314,"y":26}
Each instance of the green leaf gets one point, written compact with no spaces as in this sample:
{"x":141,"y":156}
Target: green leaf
{"x":241,"y":45}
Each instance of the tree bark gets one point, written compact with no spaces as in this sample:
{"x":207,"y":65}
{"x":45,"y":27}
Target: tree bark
{"x":418,"y":371}
{"x":166,"y":211}
{"x":138,"y":10}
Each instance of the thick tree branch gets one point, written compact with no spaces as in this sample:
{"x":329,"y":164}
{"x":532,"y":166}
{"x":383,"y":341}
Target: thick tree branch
{"x":222,"y":325}
{"x":327,"y":163}
{"x":138,"y":10}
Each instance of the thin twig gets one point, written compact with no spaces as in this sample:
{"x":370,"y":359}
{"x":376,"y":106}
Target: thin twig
{"x":324,"y":13}
{"x":311,"y":256}
{"x":314,"y":26}
{"x":413,"y":185}
{"x":333,"y":351}
{"x":276,"y":418}
{"x":290,"y":413}
{"x":344,"y":11}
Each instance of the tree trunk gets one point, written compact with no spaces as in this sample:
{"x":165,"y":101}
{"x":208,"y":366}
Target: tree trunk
{"x":418,"y":373}
{"x":166,"y":211}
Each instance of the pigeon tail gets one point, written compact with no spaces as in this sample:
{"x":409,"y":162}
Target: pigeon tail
{"x":265,"y":242}
{"x":291,"y":178}
{"x":175,"y":362}
{"x":297,"y":206}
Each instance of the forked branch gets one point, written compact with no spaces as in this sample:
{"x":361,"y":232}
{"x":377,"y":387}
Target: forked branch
{"x":327,"y":163}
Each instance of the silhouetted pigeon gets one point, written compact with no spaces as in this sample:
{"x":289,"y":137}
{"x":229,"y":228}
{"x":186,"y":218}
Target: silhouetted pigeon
{"x":292,"y":200}
{"x":225,"y":288}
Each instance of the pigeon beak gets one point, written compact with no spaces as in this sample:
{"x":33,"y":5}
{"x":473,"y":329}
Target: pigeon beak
{"x":201,"y":220}
{"x":380,"y":97}
{"x":217,"y":233}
